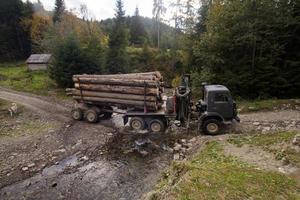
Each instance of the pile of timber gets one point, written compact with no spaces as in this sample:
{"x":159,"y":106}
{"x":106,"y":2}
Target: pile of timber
{"x":138,"y":90}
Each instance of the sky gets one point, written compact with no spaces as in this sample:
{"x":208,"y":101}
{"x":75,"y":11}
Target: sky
{"x":102,"y":9}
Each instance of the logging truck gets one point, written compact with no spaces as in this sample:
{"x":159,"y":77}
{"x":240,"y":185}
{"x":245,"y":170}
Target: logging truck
{"x":138,"y":97}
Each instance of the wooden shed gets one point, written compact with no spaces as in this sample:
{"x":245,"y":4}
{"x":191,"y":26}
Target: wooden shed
{"x":38,"y":61}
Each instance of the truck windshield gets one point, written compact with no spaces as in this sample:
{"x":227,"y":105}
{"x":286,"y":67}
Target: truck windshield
{"x":219,"y":97}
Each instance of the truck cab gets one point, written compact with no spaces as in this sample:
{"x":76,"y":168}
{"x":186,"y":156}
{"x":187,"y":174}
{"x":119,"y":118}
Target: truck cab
{"x":216,"y":109}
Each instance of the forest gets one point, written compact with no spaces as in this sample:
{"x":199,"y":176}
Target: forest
{"x":251,"y":46}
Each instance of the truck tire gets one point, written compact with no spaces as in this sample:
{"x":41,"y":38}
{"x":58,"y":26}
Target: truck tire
{"x":137,"y":123}
{"x":92,"y":116}
{"x":157,"y":126}
{"x":211,"y":127}
{"x":77,"y":114}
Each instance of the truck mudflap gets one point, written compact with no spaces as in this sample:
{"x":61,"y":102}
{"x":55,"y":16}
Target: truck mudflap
{"x":125,"y":120}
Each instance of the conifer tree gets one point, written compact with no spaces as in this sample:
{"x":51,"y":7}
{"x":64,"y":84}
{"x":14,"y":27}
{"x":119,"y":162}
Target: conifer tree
{"x":138,"y":34}
{"x":58,"y":10}
{"x":117,"y":59}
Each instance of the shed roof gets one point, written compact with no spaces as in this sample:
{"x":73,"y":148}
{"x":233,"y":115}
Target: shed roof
{"x":38,"y":59}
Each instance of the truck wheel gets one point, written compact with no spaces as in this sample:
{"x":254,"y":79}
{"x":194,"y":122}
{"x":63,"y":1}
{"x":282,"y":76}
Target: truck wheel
{"x":211,"y":127}
{"x":92,"y":116}
{"x":137,"y":123}
{"x":77,"y":114}
{"x":157,"y":126}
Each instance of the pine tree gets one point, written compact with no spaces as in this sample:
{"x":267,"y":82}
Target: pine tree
{"x":58,"y":10}
{"x":138,"y":34}
{"x":71,"y":59}
{"x":117,"y":59}
{"x":14,"y":29}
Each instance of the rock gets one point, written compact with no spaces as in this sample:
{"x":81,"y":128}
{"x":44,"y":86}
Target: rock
{"x":110,"y":134}
{"x":177,"y":147}
{"x":256,"y":123}
{"x":84,"y":158}
{"x":183,"y":141}
{"x":296,"y":140}
{"x":176,"y":156}
{"x":68,"y":126}
{"x":31,"y":165}
{"x":25,"y":169}
{"x":281,"y":170}
{"x":60,"y":151}
{"x":143,"y":153}
{"x":193,"y":140}
{"x":266,"y":129}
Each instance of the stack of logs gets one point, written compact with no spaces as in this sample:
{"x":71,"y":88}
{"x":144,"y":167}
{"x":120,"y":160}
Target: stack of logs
{"x":139,"y":90}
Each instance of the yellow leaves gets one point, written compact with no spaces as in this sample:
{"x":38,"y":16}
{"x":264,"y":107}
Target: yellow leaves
{"x":39,"y":26}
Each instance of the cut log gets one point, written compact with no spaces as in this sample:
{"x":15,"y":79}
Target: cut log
{"x":136,"y":76}
{"x":122,"y":81}
{"x":149,"y":105}
{"x":119,"y":89}
{"x":75,"y":92}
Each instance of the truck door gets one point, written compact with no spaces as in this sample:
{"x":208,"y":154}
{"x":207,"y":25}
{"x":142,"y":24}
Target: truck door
{"x":223,"y":105}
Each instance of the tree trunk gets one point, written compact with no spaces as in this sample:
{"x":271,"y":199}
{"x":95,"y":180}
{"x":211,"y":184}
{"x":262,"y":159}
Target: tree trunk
{"x":119,"y":89}
{"x":139,"y":104}
{"x":74,"y":92}
{"x":121,"y":81}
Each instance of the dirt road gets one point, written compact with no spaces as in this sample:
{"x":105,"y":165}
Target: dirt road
{"x":76,"y":160}
{"x":83,"y":161}
{"x":37,"y":104}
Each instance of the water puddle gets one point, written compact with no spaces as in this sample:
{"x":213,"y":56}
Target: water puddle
{"x":71,"y":161}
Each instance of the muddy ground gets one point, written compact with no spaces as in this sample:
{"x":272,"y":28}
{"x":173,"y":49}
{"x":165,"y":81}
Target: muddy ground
{"x":76,"y":160}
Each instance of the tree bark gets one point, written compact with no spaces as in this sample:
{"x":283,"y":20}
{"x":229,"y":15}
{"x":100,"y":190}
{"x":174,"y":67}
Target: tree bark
{"x":75,"y":92}
{"x":139,"y":104}
{"x":121,"y":81}
{"x":119,"y":89}
{"x":137,"y":76}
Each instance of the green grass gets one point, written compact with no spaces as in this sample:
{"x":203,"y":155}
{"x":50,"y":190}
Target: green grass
{"x":274,"y":143}
{"x":16,"y":76}
{"x":267,"y":105}
{"x":212,"y":175}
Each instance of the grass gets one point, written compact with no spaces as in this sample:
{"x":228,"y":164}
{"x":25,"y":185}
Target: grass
{"x":212,"y":175}
{"x":22,"y":124}
{"x":277,"y":143}
{"x":16,"y":76}
{"x":267,"y":105}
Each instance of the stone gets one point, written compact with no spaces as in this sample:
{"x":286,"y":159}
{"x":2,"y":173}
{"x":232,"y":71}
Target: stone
{"x":144,"y":153}
{"x":176,"y":156}
{"x":60,"y":151}
{"x":193,"y":140}
{"x":256,"y":123}
{"x":266,"y":129}
{"x":84,"y":158}
{"x":25,"y":169}
{"x":296,"y":140}
{"x":177,"y":147}
{"x":110,"y":134}
{"x":31,"y":165}
{"x":183,"y":141}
